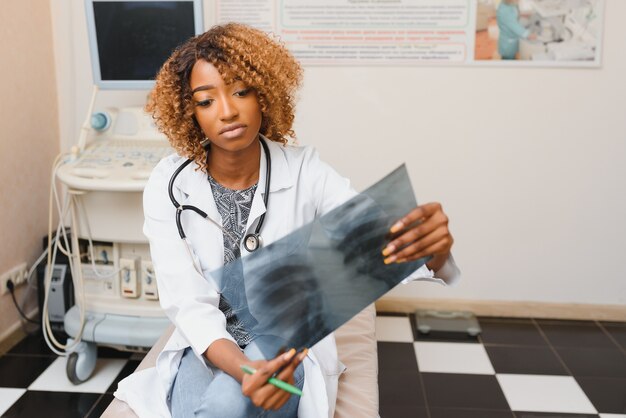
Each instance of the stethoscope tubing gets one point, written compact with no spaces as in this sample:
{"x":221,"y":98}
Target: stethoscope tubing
{"x":253,"y":242}
{"x":255,"y":237}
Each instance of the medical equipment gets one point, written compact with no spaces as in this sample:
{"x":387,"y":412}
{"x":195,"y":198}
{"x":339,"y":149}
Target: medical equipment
{"x":61,"y":290}
{"x":251,"y":241}
{"x":116,"y":295}
{"x":121,"y":161}
{"x":130,"y":39}
{"x":105,"y":173}
{"x":62,"y":293}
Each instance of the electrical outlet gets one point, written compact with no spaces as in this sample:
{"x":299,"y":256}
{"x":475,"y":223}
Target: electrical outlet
{"x":22,"y":274}
{"x":17,"y":275}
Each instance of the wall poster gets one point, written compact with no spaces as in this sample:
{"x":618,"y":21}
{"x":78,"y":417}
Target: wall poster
{"x":420,"y":32}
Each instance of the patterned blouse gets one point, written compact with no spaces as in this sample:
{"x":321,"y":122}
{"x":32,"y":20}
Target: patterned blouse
{"x":234,"y":208}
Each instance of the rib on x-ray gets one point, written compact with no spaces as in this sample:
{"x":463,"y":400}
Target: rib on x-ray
{"x":299,"y":289}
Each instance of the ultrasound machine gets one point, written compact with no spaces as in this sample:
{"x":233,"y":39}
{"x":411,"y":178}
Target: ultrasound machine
{"x":117,"y":300}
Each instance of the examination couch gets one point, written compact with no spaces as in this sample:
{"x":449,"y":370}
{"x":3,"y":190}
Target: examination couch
{"x":358,"y":386}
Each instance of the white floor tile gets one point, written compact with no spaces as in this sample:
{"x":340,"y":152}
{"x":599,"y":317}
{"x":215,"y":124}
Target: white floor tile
{"x":439,"y":357}
{"x":394,"y":329}
{"x":535,"y":393}
{"x":8,"y":396}
{"x":54,"y":379}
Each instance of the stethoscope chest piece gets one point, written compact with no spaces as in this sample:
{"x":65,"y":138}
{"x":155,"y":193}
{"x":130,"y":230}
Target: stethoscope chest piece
{"x":252,"y":242}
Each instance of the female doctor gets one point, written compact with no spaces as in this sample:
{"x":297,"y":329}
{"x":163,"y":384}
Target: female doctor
{"x":225,"y":99}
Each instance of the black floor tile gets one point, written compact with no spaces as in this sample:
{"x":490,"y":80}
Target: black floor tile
{"x":591,"y":362}
{"x":20,"y":371}
{"x":525,"y":360}
{"x":446,"y":337}
{"x":575,"y":334}
{"x":137,"y":356}
{"x":399,"y":411}
{"x":130,"y":367}
{"x":108,"y":352}
{"x":509,"y":319}
{"x":617,"y":331}
{"x":552,"y":415}
{"x":101,"y":405}
{"x":468,"y":413}
{"x":511,"y":332}
{"x":607,"y":395}
{"x":463,"y":391}
{"x":394,"y":357}
{"x":401,"y":390}
{"x":35,"y":345}
{"x":35,"y":404}
{"x":398,"y":379}
{"x":552,"y":321}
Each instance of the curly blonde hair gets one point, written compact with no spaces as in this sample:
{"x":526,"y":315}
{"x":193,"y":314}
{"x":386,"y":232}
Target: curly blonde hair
{"x":239,"y":52}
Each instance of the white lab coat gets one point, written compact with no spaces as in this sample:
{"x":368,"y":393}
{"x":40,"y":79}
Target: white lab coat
{"x":302,"y":187}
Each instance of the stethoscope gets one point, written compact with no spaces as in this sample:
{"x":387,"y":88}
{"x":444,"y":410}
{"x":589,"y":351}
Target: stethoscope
{"x":252,"y":241}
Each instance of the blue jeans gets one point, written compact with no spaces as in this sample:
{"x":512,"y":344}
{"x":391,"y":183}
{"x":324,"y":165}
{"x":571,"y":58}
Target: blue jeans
{"x":204,"y":392}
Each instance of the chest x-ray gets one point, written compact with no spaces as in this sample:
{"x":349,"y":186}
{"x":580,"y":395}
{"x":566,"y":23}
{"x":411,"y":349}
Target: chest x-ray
{"x":299,"y":289}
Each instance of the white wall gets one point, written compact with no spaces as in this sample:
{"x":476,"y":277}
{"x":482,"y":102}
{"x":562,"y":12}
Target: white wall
{"x":529,"y":163}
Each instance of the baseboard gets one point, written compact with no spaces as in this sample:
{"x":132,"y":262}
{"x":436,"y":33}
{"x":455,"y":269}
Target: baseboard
{"x":512,"y":309}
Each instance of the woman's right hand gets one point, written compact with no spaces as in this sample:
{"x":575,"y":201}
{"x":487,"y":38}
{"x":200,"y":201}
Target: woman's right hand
{"x":264,"y":394}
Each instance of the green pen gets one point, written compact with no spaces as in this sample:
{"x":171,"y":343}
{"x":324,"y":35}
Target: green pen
{"x":276,"y":382}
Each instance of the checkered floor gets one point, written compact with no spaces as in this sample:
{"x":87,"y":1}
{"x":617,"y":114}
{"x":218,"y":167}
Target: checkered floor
{"x":33,"y":382}
{"x":517,"y":368}
{"x":520,"y":368}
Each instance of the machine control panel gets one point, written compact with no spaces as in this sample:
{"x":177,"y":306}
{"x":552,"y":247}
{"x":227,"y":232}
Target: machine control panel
{"x":120,"y":154}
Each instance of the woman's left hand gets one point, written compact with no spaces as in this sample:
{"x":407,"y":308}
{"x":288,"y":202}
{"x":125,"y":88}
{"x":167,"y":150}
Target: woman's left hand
{"x":422,"y":232}
{"x":264,"y":394}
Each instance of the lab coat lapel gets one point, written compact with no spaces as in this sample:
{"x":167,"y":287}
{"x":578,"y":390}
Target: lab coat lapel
{"x":197,"y":189}
{"x":258,"y":206}
{"x":279,"y":179}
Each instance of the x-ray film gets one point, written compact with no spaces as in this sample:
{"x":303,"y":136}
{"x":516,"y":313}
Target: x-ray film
{"x":299,"y":289}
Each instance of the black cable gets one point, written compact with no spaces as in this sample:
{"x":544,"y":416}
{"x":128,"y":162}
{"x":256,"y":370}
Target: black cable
{"x":11,"y":287}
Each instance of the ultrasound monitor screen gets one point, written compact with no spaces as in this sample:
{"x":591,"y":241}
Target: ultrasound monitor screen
{"x":134,"y":38}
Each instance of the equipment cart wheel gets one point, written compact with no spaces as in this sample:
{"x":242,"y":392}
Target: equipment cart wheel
{"x":81,"y":362}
